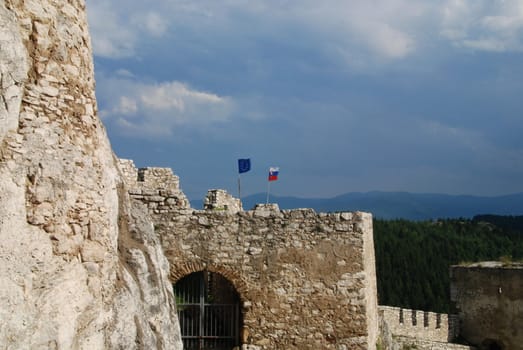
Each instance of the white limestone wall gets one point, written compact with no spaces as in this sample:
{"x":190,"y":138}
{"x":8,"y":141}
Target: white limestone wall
{"x":78,"y":265}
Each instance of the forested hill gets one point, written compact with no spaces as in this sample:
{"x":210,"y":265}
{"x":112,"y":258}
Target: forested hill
{"x":413,"y":258}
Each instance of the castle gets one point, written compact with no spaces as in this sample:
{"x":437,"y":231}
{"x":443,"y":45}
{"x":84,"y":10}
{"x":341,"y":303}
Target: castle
{"x":91,"y":246}
{"x":304,"y":280}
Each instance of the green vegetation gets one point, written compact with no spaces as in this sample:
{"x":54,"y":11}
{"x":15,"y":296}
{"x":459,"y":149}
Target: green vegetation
{"x":413,"y":258}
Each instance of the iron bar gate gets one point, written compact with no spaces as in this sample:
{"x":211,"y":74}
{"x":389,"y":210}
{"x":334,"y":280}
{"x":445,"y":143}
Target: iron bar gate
{"x":208,"y":312}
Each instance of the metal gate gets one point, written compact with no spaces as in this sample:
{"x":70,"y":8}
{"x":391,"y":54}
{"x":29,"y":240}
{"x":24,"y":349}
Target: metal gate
{"x":208,"y":311}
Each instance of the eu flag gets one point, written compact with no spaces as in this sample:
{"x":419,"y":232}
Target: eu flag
{"x":244,"y":165}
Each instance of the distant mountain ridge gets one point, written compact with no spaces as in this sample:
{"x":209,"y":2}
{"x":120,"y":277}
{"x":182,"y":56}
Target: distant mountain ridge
{"x":399,"y":205}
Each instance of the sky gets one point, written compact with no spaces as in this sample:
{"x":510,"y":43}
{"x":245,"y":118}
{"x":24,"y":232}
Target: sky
{"x":344,"y":96}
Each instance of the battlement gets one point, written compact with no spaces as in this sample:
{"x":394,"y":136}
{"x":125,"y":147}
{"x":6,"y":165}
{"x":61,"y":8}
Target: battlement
{"x":221,"y":200}
{"x":158,"y":188}
{"x":420,"y":324}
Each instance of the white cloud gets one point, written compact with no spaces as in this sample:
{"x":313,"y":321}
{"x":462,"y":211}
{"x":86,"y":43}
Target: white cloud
{"x":390,"y":42}
{"x":118,"y":30}
{"x":362,"y":29}
{"x":158,"y":109}
{"x":126,"y":106}
{"x":124,"y":73}
{"x":152,"y":22}
{"x":111,"y":36}
{"x":385,"y":28}
{"x":484,"y":25}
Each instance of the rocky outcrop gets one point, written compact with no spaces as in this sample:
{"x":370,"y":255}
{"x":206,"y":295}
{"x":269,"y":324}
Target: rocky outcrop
{"x":80,"y":267}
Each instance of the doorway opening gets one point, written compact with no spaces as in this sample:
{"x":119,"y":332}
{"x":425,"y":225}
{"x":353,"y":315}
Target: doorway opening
{"x":208,"y":311}
{"x":491,"y":344}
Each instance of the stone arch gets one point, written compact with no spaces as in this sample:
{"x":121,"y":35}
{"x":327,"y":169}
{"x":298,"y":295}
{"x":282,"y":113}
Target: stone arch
{"x":236,"y":300}
{"x":183,"y":269}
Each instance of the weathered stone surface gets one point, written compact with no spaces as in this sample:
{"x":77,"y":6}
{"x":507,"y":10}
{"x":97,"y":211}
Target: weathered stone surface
{"x":304,"y":279}
{"x":488,"y":297}
{"x":13,"y":71}
{"x":401,"y":343}
{"x":420,"y":324}
{"x":66,"y":279}
{"x":221,"y":200}
{"x":145,"y":272}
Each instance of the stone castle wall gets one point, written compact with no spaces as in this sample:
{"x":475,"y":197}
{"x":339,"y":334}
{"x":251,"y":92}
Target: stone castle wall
{"x":221,"y":200}
{"x":422,"y":344}
{"x":306,"y":280}
{"x":420,"y":324}
{"x":158,"y":188}
{"x":488,"y":298}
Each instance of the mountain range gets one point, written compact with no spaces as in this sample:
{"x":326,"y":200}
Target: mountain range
{"x":399,"y":205}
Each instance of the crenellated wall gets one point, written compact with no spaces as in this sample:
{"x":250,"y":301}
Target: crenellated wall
{"x":306,"y":280}
{"x":420,"y":324}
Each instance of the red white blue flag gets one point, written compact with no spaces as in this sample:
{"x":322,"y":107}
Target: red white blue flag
{"x":273,"y":173}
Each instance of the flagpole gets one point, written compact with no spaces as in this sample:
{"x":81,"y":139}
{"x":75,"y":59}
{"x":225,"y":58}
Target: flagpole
{"x":268,"y":190}
{"x":239,"y":189}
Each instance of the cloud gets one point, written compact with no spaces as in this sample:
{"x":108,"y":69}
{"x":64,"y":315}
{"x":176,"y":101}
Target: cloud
{"x":125,"y":106}
{"x":111,"y":35}
{"x":153,"y":110}
{"x":359,"y":30}
{"x":390,"y":42}
{"x":118,"y":30}
{"x":383,"y":28}
{"x":484,"y":25}
{"x":479,"y":151}
{"x":386,"y":29}
{"x":152,"y":23}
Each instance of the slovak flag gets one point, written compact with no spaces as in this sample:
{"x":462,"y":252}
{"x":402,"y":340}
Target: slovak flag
{"x":273,"y":173}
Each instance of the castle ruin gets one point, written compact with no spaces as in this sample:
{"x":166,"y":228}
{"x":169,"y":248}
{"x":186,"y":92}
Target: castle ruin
{"x":305,"y":280}
{"x":91,"y":246}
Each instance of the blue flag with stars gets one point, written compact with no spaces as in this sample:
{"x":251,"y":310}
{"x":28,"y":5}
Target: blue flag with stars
{"x":244,"y":165}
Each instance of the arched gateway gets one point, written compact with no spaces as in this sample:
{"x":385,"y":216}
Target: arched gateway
{"x":209,"y":311}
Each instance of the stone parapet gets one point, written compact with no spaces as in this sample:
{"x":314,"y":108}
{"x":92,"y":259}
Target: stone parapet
{"x":425,"y":325}
{"x":221,"y":200}
{"x":158,"y":188}
{"x":129,"y":173}
{"x":423,"y":344}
